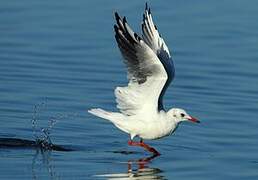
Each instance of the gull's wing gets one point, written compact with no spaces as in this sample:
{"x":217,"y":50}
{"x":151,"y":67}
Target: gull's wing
{"x":146,"y":73}
{"x":153,"y":39}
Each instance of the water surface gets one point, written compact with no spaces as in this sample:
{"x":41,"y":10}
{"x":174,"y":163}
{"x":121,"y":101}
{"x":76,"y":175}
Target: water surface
{"x":64,"y":55}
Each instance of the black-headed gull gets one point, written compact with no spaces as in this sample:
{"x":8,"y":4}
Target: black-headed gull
{"x":150,"y":71}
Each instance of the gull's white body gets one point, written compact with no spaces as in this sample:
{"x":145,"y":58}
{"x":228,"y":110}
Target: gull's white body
{"x":146,"y":126}
{"x":150,"y":71}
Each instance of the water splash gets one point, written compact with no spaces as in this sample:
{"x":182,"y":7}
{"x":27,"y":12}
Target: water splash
{"x":41,"y":135}
{"x":36,"y":116}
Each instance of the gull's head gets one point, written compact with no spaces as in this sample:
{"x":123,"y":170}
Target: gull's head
{"x":180,"y":115}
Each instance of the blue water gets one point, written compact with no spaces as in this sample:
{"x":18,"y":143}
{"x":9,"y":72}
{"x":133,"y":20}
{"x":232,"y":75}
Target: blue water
{"x":62,"y":54}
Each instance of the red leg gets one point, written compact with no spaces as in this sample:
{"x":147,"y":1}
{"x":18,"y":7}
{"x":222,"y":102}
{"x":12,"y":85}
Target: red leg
{"x":145,"y":146}
{"x":129,"y":167}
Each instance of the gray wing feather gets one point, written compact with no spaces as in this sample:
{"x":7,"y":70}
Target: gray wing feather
{"x":133,"y":51}
{"x":150,"y":68}
{"x":152,"y":37}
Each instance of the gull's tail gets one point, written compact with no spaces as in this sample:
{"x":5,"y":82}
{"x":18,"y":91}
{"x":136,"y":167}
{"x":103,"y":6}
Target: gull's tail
{"x":101,"y":113}
{"x":117,"y":119}
{"x":111,"y":116}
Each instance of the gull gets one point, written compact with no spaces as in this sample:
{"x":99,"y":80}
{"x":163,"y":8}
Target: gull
{"x":150,"y":70}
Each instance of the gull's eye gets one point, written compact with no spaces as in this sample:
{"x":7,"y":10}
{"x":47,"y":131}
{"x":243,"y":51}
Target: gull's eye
{"x":182,"y":115}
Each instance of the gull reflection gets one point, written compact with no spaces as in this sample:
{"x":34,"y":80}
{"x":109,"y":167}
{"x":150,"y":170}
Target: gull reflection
{"x":137,"y":169}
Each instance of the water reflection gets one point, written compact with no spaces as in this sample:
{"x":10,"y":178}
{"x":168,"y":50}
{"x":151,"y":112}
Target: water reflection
{"x":42,"y":161}
{"x":137,"y":169}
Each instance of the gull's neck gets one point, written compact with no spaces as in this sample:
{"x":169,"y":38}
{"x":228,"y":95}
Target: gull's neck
{"x":166,"y":116}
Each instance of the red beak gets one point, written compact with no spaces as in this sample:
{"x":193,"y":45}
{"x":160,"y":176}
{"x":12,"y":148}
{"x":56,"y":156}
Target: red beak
{"x":193,"y":120}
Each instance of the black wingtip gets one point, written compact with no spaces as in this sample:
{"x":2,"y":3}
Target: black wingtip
{"x":124,"y":20}
{"x":116,"y":28}
{"x":135,"y":36}
{"x":147,"y":8}
{"x":117,"y":16}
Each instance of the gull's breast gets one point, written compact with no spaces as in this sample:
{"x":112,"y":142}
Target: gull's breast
{"x":156,"y":130}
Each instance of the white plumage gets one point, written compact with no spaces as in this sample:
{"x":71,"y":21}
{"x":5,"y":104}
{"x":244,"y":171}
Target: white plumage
{"x":150,"y":71}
